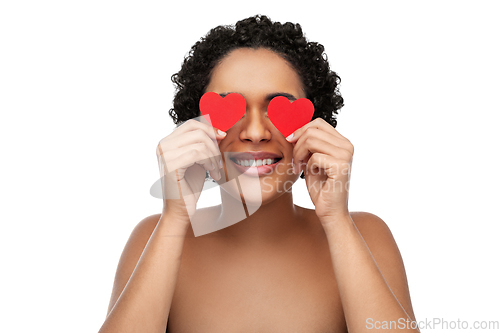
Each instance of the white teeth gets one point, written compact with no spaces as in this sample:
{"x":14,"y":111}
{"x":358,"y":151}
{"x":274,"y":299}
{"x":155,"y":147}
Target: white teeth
{"x":252,"y":163}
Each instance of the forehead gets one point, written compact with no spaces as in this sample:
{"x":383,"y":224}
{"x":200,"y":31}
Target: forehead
{"x":255,"y":71}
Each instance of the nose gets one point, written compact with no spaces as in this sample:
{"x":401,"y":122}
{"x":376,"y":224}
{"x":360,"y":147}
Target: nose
{"x":255,"y":127}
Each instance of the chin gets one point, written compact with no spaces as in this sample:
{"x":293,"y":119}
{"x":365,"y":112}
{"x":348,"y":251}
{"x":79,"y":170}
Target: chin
{"x":273,"y":188}
{"x":258,"y":191}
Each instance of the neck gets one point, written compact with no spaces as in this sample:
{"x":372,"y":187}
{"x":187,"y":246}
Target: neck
{"x":271,"y":223}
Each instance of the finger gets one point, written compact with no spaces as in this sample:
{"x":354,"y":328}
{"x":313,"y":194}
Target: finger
{"x":318,"y":123}
{"x":189,"y":138}
{"x":170,"y":159}
{"x":190,"y":158}
{"x":192,"y":124}
{"x":171,"y":156}
{"x":325,"y":164}
{"x":327,"y":137}
{"x":176,"y":140}
{"x":197,"y":135}
{"x":208,"y":162}
{"x":316,"y":144}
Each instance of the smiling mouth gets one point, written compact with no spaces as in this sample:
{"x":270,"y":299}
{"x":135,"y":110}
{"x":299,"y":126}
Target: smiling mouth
{"x":251,"y":163}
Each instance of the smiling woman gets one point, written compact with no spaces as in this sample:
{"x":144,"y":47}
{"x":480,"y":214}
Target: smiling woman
{"x":283,"y":268}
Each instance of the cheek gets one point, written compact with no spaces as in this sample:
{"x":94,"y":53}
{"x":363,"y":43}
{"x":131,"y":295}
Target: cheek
{"x":227,"y":144}
{"x":288,"y":154}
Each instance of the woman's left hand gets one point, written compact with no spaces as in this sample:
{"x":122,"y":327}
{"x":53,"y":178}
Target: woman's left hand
{"x":325,"y":157}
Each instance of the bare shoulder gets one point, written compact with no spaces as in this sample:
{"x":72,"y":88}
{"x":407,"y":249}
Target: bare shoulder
{"x":382,"y":245}
{"x":378,"y":237}
{"x":137,"y":241}
{"x":371,"y":226}
{"x":145,"y":227}
{"x":132,"y":251}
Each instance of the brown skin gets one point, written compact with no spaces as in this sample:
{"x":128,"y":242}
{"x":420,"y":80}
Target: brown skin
{"x":284,"y":268}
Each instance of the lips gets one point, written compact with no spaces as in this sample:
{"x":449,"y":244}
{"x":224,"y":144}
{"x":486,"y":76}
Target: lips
{"x":255,"y":163}
{"x":256,"y":155}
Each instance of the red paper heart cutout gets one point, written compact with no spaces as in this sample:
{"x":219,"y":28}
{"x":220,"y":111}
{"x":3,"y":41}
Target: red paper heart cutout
{"x":289,"y":117}
{"x":223,"y":112}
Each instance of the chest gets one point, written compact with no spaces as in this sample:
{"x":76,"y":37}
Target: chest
{"x":287,"y":290}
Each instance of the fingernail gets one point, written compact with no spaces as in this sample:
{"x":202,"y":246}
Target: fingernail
{"x":221,"y":132}
{"x":220,"y":164}
{"x":290,"y":137}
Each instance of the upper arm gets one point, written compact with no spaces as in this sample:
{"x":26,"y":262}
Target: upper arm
{"x":131,"y":254}
{"x":379,"y":239}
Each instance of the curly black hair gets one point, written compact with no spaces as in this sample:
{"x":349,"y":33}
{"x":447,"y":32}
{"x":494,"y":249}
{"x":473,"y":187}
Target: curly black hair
{"x":287,"y":40}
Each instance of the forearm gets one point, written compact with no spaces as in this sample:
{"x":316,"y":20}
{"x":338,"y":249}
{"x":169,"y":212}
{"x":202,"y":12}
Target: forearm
{"x":144,"y":303}
{"x":364,"y":293}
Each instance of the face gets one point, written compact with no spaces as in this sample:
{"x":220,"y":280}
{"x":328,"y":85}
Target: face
{"x":258,"y":75}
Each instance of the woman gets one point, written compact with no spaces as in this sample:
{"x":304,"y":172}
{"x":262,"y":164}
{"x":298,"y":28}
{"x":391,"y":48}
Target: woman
{"x":284,"y":268}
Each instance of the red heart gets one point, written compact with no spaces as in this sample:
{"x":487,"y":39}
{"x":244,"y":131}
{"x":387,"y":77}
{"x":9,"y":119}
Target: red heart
{"x":289,"y":117}
{"x":223,"y":112}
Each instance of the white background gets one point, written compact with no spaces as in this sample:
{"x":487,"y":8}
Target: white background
{"x":84,"y":97}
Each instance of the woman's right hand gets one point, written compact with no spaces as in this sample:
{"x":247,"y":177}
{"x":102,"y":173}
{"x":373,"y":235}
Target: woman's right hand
{"x":183,"y":156}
